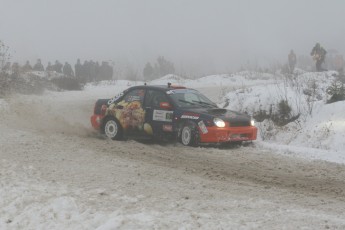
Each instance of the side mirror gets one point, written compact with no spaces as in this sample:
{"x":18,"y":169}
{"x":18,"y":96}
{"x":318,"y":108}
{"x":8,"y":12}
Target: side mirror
{"x":165,"y":105}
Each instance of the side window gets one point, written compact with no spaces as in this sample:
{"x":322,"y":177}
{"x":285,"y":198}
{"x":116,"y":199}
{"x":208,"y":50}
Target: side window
{"x":148,"y":98}
{"x":135,"y":95}
{"x":155,"y":97}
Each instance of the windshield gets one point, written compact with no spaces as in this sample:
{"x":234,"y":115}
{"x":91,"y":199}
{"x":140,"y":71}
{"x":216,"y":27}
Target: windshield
{"x":191,"y":99}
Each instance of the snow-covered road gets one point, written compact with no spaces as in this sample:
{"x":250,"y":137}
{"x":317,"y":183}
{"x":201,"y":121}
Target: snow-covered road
{"x":57,"y":173}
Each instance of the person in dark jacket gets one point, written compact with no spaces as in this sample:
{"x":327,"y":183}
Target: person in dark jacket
{"x":27,"y":67}
{"x":50,"y":67}
{"x":57,"y":67}
{"x":38,"y":66}
{"x":319,"y":54}
{"x":67,"y":70}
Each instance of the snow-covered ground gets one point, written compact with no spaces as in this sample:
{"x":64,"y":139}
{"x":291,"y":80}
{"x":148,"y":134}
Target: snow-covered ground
{"x":58,"y":173}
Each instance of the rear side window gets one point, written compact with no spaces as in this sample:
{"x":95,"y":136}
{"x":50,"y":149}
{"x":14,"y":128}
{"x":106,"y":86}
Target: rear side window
{"x":155,"y":97}
{"x":135,"y":95}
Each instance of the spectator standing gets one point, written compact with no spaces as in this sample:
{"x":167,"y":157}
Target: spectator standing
{"x":319,"y":55}
{"x":27,"y":67}
{"x":49,"y":67}
{"x":38,"y":66}
{"x":57,"y":67}
{"x":67,"y":70}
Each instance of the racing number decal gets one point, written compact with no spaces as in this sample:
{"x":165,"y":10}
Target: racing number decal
{"x":162,"y":115}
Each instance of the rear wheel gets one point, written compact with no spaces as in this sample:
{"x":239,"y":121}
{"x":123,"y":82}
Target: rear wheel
{"x":113,"y":129}
{"x":190,"y":134}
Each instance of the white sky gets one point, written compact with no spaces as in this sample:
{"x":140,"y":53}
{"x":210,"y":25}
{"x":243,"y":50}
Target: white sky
{"x":222,"y":33}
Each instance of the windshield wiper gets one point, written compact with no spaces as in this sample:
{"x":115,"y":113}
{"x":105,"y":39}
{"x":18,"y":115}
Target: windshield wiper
{"x":205,"y":103}
{"x":187,"y":102}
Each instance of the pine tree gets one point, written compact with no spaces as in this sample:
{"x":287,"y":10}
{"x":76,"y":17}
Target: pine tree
{"x":148,"y":72}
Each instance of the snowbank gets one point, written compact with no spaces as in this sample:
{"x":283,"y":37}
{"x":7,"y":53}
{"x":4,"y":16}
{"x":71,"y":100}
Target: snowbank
{"x":320,"y":125}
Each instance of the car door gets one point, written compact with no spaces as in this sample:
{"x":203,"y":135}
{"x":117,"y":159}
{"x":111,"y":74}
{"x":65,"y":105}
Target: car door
{"x":158,"y":113}
{"x":131,"y":114}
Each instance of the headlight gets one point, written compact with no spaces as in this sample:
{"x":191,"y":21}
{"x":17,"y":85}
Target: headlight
{"x":219,"y":122}
{"x":252,"y":122}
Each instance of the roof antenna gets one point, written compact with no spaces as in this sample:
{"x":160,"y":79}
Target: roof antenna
{"x":169,"y":84}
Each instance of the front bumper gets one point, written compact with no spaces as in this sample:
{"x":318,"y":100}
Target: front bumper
{"x":228,"y":134}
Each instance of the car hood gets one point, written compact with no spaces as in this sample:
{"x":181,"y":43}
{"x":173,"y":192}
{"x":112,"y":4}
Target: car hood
{"x":233,"y":117}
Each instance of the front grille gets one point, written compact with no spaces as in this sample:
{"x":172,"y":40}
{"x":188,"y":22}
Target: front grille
{"x":240,"y":124}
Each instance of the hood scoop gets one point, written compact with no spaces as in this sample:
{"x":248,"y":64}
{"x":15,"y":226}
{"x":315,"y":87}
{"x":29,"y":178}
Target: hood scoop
{"x":218,"y":111}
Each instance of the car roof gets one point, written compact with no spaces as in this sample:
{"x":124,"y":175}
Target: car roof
{"x":159,"y":87}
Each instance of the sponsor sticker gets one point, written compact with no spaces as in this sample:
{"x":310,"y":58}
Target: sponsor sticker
{"x":203,"y":127}
{"x":193,"y":116}
{"x":133,"y":98}
{"x":111,"y":101}
{"x":189,"y":117}
{"x":162,"y":115}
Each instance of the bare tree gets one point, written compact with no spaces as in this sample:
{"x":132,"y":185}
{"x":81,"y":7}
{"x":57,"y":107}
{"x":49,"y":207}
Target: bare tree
{"x":4,"y":55}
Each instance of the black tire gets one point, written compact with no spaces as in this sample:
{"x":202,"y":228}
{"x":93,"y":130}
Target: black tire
{"x":112,"y":129}
{"x":190,"y":135}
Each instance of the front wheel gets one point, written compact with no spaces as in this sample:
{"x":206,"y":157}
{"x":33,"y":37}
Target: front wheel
{"x":190,"y":134}
{"x":113,"y":129}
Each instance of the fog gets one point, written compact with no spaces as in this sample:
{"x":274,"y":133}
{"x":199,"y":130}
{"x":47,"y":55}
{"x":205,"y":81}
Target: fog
{"x":198,"y":36}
